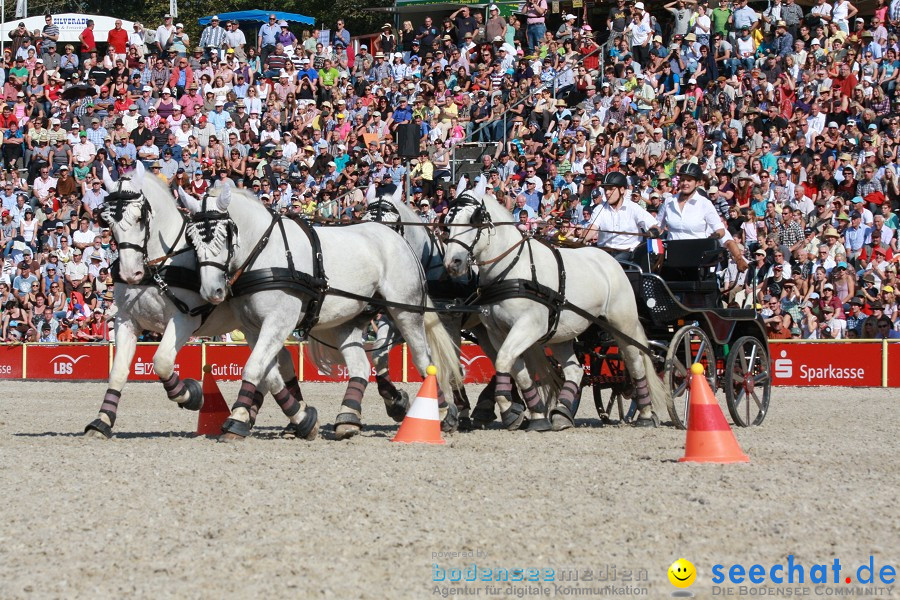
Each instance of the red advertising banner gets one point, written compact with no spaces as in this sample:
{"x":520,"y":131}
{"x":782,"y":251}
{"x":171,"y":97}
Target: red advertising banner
{"x":476,"y":366}
{"x":831,"y":364}
{"x":228,"y":360}
{"x":11,"y":361}
{"x":187,"y":363}
{"x":75,"y":362}
{"x":339,"y":372}
{"x":893,"y":352}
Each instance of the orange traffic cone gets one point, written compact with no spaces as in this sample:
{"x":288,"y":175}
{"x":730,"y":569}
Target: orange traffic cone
{"x":709,"y":438}
{"x":423,"y":421}
{"x":214,"y":410}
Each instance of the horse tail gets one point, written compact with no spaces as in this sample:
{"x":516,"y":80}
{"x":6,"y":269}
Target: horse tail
{"x":323,"y":355}
{"x":444,"y":353}
{"x":544,"y":373}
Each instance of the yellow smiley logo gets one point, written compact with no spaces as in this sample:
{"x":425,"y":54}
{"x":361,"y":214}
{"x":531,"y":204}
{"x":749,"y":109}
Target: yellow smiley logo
{"x":682,"y":573}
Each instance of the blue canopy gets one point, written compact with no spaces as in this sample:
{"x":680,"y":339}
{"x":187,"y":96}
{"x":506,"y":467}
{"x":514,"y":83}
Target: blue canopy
{"x":259,"y":16}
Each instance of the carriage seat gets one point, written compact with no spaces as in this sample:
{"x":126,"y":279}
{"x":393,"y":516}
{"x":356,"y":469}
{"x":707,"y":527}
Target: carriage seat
{"x":689,"y":269}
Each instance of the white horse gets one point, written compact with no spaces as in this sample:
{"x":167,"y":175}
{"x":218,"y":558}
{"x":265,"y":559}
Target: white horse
{"x":391,"y":210}
{"x":272,"y":262}
{"x":482,"y":233}
{"x":151,"y":234}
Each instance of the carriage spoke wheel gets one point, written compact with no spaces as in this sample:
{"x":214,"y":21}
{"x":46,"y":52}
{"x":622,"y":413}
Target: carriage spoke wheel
{"x":689,"y":345}
{"x":748,"y":384}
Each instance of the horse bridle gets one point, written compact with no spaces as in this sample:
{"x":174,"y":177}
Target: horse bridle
{"x":204,"y":222}
{"x":479,"y":221}
{"x":377,"y":210}
{"x":114,"y":207}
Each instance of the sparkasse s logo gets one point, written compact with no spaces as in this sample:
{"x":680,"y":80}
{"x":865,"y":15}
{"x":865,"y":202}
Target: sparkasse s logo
{"x":784,"y":367}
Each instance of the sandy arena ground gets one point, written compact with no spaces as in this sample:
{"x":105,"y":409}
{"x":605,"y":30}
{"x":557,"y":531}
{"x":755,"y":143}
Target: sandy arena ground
{"x":157,"y":513}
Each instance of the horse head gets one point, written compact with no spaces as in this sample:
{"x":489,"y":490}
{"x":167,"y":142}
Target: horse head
{"x":462,"y":242}
{"x":213,"y":235}
{"x":127,"y":212}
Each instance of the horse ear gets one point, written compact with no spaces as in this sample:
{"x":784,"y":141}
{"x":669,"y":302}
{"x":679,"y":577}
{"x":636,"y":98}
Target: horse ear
{"x":398,"y":196}
{"x":139,"y":172}
{"x":190,"y":203}
{"x":107,"y":180}
{"x":481,"y":188}
{"x":224,"y":198}
{"x":370,"y":193}
{"x":461,"y":186}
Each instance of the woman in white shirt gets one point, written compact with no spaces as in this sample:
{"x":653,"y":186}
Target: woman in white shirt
{"x":841,"y":13}
{"x":691,"y":216}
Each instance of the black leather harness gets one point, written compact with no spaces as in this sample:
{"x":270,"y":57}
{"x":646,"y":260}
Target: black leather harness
{"x":315,"y":285}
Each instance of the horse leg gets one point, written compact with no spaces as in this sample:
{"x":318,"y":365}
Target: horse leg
{"x":523,"y":334}
{"x":268,"y":341}
{"x":126,"y":343}
{"x":396,"y":402}
{"x":187,"y":393}
{"x":303,"y":418}
{"x":460,"y":398}
{"x":643,"y":386}
{"x":350,"y":336}
{"x":562,"y":415}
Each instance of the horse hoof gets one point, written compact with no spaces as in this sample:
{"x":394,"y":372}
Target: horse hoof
{"x":451,"y":421}
{"x":561,"y":417}
{"x":195,"y":395}
{"x":482,"y":417}
{"x":98,"y":430}
{"x":559,"y":422}
{"x":229,"y":437}
{"x":397,"y":408}
{"x":306,"y":429}
{"x":512,"y":417}
{"x":345,"y":431}
{"x":465,"y":424}
{"x":652,"y":421}
{"x":93,"y":434}
{"x":539,"y":425}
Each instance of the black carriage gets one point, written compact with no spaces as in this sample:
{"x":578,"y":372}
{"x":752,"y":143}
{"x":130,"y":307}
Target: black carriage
{"x":679,"y":302}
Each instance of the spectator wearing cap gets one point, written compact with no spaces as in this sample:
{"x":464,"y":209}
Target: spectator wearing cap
{"x":855,"y":236}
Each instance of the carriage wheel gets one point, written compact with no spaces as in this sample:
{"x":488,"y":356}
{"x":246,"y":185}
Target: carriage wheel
{"x":689,"y":345}
{"x":748,"y":384}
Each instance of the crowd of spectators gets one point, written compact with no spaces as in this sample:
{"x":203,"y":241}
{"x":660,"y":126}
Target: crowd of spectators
{"x":791,"y":113}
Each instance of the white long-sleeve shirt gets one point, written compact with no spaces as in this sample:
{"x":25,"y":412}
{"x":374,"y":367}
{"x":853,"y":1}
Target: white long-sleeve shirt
{"x":628,"y":216}
{"x":697,"y":220}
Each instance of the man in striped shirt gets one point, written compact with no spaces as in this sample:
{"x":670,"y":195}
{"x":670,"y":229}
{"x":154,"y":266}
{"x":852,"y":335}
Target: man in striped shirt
{"x":49,"y":35}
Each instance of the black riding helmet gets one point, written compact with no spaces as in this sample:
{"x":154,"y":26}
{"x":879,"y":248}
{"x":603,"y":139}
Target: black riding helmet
{"x":691,"y":170}
{"x":615,"y":179}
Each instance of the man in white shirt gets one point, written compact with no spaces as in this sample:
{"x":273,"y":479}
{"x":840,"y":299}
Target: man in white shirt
{"x":613,"y":220}
{"x":84,"y":237}
{"x":84,"y":150}
{"x":43,"y":184}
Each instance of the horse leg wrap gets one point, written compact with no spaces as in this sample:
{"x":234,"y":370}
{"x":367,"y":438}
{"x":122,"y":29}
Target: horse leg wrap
{"x":351,"y":405}
{"x":513,"y":416}
{"x":641,"y":392}
{"x":641,"y":398}
{"x":483,"y":413}
{"x":294,"y":386}
{"x":289,"y":405}
{"x":245,"y":401}
{"x":503,"y":386}
{"x":442,"y":400}
{"x":173,"y":386}
{"x":539,"y":422}
{"x":254,"y":408}
{"x":111,"y":405}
